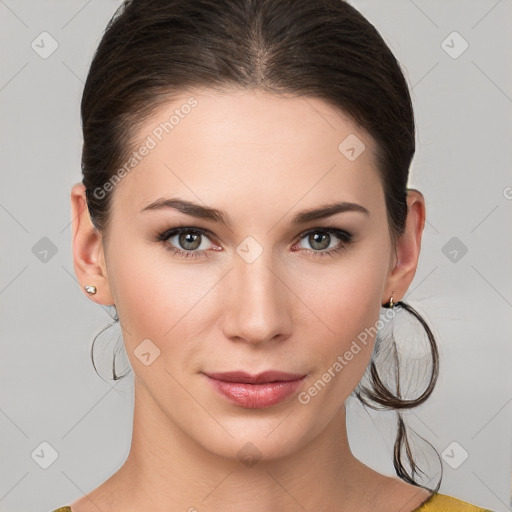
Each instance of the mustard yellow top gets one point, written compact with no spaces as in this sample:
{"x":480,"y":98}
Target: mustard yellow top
{"x":444,"y":503}
{"x":436,"y":503}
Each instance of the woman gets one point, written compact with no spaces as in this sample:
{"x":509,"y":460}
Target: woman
{"x":244,"y":205}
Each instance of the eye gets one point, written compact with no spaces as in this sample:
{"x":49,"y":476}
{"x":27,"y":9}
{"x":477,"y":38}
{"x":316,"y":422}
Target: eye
{"x":321,"y":238}
{"x":188,"y":243}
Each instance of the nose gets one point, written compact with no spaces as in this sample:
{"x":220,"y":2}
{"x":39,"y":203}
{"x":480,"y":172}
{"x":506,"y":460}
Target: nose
{"x":257,"y":301}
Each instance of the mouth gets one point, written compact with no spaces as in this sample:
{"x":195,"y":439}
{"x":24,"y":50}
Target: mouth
{"x":255,"y":391}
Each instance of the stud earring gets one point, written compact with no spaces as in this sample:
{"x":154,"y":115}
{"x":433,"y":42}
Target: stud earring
{"x":89,"y":288}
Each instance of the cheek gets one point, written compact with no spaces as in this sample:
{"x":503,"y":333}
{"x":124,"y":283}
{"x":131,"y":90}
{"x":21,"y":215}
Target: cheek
{"x":347,"y":293}
{"x":157,"y":298}
{"x":342,"y":357}
{"x":347,"y":308}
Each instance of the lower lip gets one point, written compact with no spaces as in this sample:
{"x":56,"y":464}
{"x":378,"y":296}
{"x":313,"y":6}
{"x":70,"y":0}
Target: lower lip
{"x":255,"y":396}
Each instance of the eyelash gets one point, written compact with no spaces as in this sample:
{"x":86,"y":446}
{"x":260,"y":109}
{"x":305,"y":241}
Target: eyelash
{"x":344,"y":236}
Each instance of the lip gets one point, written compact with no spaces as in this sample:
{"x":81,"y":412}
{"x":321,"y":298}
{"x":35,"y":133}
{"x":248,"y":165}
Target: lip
{"x":255,"y":391}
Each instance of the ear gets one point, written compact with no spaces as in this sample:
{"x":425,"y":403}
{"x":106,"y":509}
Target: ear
{"x":88,"y":254}
{"x":407,"y":248}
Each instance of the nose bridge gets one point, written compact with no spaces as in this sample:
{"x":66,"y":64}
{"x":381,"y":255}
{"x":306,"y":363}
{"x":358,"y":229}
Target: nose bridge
{"x":256,"y":275}
{"x":256,"y":296}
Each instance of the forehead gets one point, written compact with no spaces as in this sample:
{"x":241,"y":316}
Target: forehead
{"x":216,"y":147}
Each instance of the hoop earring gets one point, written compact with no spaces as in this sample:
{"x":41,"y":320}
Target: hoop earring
{"x":89,"y":288}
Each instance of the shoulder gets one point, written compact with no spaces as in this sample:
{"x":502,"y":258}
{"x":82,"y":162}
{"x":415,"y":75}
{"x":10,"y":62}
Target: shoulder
{"x":444,"y":503}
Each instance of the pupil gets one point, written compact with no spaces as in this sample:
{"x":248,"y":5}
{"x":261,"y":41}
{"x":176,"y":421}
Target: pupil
{"x":317,"y":238}
{"x":189,"y":238}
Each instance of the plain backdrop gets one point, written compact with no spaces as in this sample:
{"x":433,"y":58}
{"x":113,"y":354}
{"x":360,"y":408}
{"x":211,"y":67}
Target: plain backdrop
{"x":65,"y":430}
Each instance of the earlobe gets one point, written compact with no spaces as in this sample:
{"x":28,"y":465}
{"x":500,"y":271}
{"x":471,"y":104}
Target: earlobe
{"x":87,"y":248}
{"x":407,"y":248}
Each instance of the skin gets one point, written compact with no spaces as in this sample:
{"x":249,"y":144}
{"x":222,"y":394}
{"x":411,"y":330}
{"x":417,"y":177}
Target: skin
{"x":260,"y":158}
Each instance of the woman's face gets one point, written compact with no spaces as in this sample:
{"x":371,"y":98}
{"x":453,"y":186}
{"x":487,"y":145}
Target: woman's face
{"x":269,"y":289}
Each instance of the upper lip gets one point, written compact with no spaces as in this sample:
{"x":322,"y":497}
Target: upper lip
{"x":264,"y":377}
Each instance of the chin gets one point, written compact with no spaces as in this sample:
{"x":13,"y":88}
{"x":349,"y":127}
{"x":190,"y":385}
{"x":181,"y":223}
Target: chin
{"x":257,"y":439}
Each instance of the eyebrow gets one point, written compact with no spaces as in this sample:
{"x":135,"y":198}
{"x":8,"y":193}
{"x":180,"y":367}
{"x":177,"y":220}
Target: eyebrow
{"x":212,"y":214}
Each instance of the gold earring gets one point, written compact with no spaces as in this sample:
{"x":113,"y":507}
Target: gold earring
{"x":390,"y":304}
{"x":89,"y":288}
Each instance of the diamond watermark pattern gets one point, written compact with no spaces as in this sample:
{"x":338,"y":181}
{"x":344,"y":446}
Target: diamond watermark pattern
{"x":44,"y":249}
{"x":454,"y":45}
{"x":146,"y":352}
{"x":44,"y":455}
{"x":249,"y":454}
{"x":351,"y":147}
{"x":44,"y":45}
{"x":454,"y":249}
{"x":454,"y":455}
{"x":249,"y":249}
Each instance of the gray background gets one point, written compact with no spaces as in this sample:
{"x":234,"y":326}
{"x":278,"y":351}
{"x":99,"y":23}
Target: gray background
{"x":51,"y":394}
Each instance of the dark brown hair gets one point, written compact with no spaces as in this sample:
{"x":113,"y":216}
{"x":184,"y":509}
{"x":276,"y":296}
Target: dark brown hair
{"x":155,"y":50}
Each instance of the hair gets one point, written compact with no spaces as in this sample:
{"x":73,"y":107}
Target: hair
{"x":155,"y":50}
